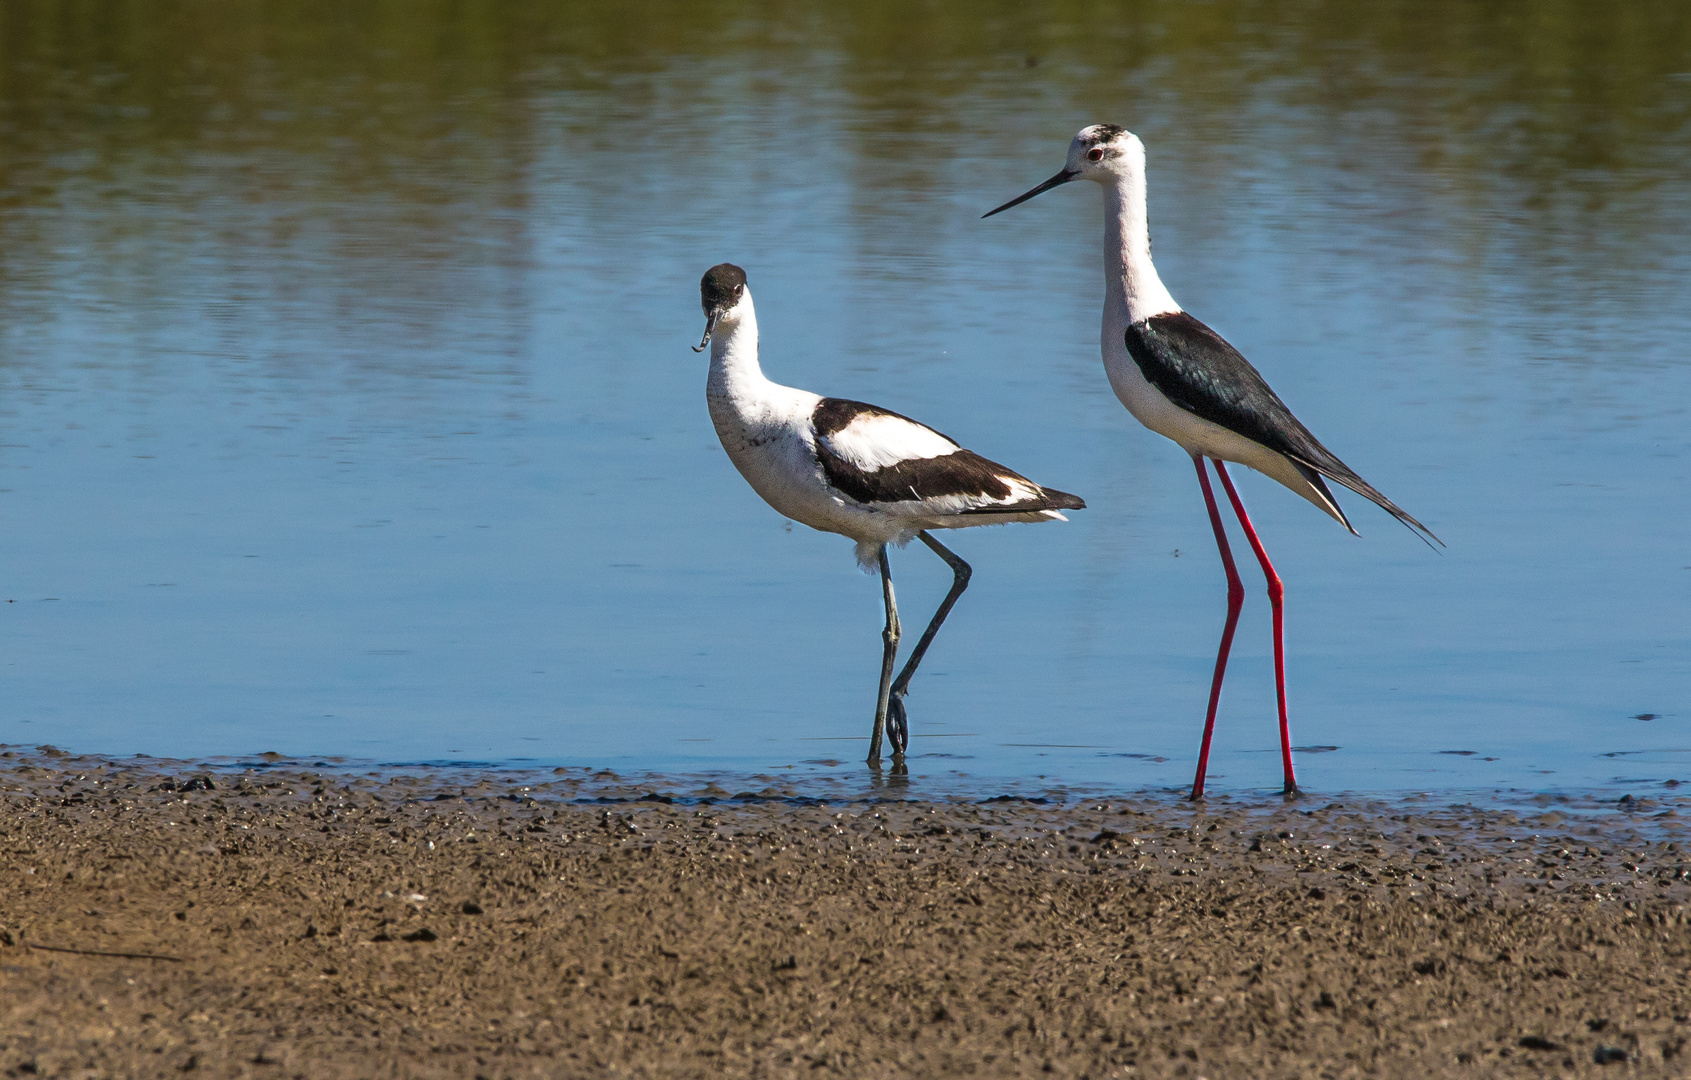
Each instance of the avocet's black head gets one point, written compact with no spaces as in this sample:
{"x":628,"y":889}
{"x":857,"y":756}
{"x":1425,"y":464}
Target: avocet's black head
{"x":1102,"y":152}
{"x":720,"y":291}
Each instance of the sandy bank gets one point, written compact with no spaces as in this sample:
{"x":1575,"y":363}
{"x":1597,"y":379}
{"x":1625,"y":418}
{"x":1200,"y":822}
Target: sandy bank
{"x":321,"y":923}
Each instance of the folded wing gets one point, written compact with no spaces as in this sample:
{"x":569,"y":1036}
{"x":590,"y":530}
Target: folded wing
{"x":875,"y":457}
{"x":1196,"y":369}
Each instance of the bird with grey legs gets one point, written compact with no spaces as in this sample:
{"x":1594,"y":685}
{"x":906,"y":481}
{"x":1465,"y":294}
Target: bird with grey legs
{"x":1182,"y":380}
{"x":861,"y":471}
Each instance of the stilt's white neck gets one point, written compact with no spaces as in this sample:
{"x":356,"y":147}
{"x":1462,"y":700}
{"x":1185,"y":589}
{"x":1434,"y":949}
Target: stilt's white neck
{"x":1132,"y":290}
{"x":734,"y":370}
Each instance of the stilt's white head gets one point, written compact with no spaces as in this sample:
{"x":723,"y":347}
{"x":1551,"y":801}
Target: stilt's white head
{"x":1102,"y":153}
{"x":724,"y":296}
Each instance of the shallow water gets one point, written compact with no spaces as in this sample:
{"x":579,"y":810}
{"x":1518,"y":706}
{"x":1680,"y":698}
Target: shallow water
{"x":346,"y":404}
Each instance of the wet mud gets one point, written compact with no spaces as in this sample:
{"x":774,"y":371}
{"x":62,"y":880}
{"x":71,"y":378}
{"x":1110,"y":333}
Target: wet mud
{"x":160,"y":920}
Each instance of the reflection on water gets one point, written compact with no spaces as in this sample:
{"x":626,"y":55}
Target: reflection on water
{"x":345,"y":405}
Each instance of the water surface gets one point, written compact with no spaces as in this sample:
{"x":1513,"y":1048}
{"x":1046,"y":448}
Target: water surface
{"x":346,"y":404}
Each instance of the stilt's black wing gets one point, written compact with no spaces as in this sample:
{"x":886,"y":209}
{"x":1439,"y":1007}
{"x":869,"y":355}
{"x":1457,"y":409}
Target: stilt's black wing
{"x":1195,"y":367}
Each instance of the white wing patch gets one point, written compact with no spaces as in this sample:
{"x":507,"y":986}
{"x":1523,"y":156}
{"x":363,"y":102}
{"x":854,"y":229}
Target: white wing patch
{"x":876,"y":440}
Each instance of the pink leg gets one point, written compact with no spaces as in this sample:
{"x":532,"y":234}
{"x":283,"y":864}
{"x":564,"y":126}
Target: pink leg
{"x":1235,"y":601}
{"x":1275,"y":592}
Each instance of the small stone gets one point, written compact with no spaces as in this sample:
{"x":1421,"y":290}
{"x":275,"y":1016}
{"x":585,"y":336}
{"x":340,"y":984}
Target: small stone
{"x":471,"y":908}
{"x":422,"y":933}
{"x":1608,"y":1055}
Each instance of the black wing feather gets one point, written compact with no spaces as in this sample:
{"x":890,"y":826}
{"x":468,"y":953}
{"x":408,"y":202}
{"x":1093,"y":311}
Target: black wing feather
{"x":963,"y":472}
{"x":1195,"y":367}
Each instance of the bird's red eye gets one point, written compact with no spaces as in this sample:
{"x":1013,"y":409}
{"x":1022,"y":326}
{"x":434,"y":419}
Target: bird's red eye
{"x":1095,"y":154}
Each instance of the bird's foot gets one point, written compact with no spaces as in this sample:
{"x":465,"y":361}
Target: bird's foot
{"x":1290,"y":791}
{"x":898,"y":725}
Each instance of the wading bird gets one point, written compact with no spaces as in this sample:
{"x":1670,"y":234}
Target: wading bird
{"x":854,"y":469}
{"x":1182,"y":380}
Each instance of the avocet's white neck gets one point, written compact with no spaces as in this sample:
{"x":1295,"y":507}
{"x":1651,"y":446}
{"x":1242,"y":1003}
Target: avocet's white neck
{"x":734,"y":370}
{"x":1132,"y":290}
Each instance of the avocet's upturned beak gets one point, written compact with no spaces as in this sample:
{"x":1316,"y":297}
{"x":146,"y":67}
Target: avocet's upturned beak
{"x":1056,"y":181}
{"x":710,"y":328}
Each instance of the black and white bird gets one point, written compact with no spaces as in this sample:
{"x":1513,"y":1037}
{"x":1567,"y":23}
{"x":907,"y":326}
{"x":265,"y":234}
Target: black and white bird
{"x":854,"y":469}
{"x":1182,"y":380}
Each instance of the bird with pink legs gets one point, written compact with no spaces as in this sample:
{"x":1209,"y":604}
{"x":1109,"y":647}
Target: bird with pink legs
{"x":1184,"y":381}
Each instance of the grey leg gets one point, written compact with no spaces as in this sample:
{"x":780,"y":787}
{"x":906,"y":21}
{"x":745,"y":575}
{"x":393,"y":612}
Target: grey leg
{"x":898,"y":724}
{"x":889,"y":656}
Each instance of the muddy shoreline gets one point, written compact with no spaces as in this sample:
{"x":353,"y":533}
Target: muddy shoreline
{"x":288,"y":920}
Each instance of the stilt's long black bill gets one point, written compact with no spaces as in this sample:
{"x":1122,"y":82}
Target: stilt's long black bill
{"x":710,"y":328}
{"x":1056,"y":181}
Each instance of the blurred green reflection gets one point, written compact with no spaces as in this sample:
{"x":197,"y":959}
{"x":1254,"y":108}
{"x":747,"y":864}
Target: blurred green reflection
{"x":415,"y":127}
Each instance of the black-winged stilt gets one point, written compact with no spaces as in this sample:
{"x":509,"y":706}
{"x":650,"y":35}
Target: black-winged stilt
{"x":854,"y":469}
{"x":1181,"y":379}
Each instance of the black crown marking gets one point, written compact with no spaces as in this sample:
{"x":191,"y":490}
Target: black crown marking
{"x":721,"y":287}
